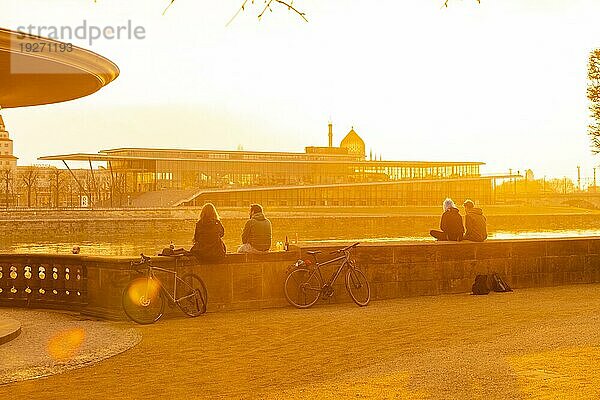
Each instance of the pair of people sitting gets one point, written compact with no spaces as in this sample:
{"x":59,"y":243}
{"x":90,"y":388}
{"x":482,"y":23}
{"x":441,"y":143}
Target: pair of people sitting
{"x":451,"y":224}
{"x":208,"y":236}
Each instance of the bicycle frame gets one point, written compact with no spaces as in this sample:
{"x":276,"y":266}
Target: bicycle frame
{"x":304,"y":283}
{"x":151,"y":275}
{"x":336,"y":274}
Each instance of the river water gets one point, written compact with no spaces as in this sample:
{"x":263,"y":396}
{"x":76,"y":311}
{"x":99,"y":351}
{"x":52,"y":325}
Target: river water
{"x":131,"y":237}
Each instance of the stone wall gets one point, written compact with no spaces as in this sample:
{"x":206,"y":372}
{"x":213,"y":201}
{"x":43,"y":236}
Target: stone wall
{"x":242,"y":281}
{"x":405,"y":270}
{"x":256,"y":281}
{"x":95,"y":284}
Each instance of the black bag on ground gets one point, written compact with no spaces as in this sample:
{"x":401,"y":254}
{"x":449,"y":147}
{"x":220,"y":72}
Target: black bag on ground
{"x":498,"y":285}
{"x":171,"y":252}
{"x":481,"y":285}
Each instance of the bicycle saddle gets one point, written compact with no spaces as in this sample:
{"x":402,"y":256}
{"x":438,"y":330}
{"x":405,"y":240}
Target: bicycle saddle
{"x":312,"y":252}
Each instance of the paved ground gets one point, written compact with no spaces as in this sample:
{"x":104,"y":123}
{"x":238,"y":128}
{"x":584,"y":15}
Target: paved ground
{"x":536,"y":343}
{"x":55,"y":342}
{"x":9,"y":330}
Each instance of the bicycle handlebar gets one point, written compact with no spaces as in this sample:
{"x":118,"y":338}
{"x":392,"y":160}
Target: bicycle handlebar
{"x":144,"y":259}
{"x":345,"y":248}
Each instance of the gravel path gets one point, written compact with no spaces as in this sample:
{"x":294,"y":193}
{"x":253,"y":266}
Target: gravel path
{"x":535,"y":343}
{"x":55,"y":342}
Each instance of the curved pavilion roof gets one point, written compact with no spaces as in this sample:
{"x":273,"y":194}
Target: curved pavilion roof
{"x":48,"y":75}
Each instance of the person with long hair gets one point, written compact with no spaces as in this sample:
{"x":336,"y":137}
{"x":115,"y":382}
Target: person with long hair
{"x":451,"y":224}
{"x":208,"y":242}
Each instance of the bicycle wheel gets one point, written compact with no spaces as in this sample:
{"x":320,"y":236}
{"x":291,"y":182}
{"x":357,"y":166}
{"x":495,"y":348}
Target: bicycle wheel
{"x":143,"y":301}
{"x":358,"y":287}
{"x":192,"y":295}
{"x":302,"y":288}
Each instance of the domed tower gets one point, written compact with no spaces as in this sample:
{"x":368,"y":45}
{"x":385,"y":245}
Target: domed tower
{"x":7,"y":160}
{"x":354,"y":144}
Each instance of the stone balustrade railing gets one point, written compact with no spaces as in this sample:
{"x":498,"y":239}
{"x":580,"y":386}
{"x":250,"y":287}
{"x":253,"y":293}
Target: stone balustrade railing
{"x":93,"y":285}
{"x":43,"y":281}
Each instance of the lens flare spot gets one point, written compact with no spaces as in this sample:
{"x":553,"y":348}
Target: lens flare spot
{"x":143,"y":291}
{"x":64,"y":345}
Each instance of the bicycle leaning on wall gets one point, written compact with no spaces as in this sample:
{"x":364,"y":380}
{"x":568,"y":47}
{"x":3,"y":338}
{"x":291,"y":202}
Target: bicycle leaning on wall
{"x":144,"y":298}
{"x":304,"y":283}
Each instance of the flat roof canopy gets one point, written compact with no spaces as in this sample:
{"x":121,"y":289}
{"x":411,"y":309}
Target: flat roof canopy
{"x":114,"y":157}
{"x":36,"y":70}
{"x":85,"y":157}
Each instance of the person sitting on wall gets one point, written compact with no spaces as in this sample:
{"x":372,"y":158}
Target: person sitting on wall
{"x":475,"y":223}
{"x":208,"y":243}
{"x":256,"y":237}
{"x":451,"y":224}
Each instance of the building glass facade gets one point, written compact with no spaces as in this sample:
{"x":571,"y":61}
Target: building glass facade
{"x":321,"y":176}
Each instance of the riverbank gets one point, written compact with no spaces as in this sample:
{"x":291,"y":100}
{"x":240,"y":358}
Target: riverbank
{"x":190,"y":213}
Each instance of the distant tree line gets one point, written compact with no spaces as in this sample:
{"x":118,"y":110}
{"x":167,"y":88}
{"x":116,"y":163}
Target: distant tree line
{"x":49,"y":187}
{"x":537,"y":186}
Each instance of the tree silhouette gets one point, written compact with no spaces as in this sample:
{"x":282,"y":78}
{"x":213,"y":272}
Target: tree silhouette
{"x":593,"y":95}
{"x":30,"y":176}
{"x":57,"y":184}
{"x":6,"y":177}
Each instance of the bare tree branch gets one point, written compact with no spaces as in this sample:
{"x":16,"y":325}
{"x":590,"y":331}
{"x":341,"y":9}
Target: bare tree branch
{"x":237,"y":13}
{"x":445,"y":3}
{"x":290,"y":6}
{"x":169,"y":6}
{"x":268,"y":3}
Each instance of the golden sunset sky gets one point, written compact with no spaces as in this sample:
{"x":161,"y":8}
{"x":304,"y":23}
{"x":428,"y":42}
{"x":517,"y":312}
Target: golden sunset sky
{"x":502,"y":82}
